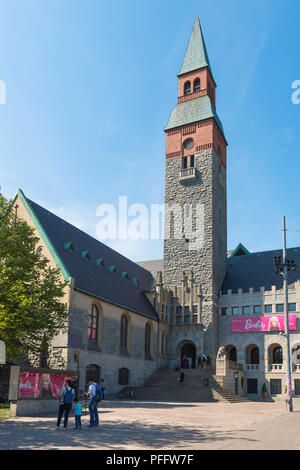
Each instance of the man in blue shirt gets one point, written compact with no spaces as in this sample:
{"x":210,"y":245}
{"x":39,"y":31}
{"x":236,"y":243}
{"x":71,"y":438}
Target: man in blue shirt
{"x":93,"y":403}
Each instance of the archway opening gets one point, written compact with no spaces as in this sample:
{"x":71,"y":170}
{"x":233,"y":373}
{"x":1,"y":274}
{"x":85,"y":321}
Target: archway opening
{"x":189,"y":350}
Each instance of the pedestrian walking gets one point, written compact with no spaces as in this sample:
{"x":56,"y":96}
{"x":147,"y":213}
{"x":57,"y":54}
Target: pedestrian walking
{"x":65,"y":403}
{"x":77,"y":408}
{"x":94,"y":396}
{"x":178,"y":364}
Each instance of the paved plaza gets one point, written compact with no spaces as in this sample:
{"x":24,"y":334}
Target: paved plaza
{"x":152,"y":425}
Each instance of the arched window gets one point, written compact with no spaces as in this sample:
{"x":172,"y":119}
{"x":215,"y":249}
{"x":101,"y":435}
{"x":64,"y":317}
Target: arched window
{"x":147,"y":341}
{"x":92,"y":372}
{"x":124,"y":332}
{"x":93,"y":324}
{"x":197,"y":86}
{"x":123,"y":376}
{"x":232,"y":354}
{"x":277,"y":355}
{"x":187,"y":88}
{"x":254,"y":355}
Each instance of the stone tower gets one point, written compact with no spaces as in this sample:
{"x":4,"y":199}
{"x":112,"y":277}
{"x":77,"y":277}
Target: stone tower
{"x":195,"y":245}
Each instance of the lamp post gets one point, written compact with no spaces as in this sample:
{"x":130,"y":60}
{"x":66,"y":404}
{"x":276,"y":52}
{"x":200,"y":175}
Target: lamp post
{"x":282,"y":266}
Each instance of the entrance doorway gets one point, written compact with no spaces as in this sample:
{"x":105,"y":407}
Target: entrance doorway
{"x":252,"y":386}
{"x":189,"y":350}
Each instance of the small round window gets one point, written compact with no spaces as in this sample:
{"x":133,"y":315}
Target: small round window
{"x":188,"y":144}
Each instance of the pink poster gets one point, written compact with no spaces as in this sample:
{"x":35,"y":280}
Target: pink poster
{"x":29,"y":384}
{"x":263,"y":323}
{"x":57,"y":383}
{"x":41,"y":385}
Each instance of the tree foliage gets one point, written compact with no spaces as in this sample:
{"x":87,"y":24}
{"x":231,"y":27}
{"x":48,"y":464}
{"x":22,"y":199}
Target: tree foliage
{"x":32,"y":311}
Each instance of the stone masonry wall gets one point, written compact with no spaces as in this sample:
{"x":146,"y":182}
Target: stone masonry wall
{"x":209,"y":262}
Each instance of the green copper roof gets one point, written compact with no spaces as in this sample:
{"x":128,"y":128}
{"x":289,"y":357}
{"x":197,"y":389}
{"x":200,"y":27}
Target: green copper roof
{"x":240,"y":250}
{"x":196,"y":54}
{"x":193,"y":111}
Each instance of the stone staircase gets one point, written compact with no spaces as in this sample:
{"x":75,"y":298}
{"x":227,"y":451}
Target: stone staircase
{"x":198,"y":386}
{"x":222,"y":395}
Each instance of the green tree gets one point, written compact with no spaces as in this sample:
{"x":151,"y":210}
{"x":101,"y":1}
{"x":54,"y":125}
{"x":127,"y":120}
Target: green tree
{"x":32,"y":311}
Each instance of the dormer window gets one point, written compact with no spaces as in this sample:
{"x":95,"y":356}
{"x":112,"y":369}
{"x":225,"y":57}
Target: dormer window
{"x":197,"y":85}
{"x":187,"y":88}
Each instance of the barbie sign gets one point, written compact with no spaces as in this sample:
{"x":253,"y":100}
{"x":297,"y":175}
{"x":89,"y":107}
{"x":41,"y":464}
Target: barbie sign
{"x":266,"y":323}
{"x":37,"y":385}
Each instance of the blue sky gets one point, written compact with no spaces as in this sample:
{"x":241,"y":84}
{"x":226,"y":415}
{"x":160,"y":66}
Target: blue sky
{"x":90,"y":85}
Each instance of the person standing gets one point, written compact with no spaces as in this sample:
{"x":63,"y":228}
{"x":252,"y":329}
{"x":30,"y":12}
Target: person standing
{"x":182,"y":375}
{"x":77,"y":408}
{"x":102,"y":386}
{"x":92,"y":394}
{"x":65,"y":403}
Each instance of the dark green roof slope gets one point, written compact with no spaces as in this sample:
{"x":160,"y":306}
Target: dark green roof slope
{"x":196,"y":56}
{"x":91,"y":277}
{"x":191,"y":111}
{"x":257,"y":270}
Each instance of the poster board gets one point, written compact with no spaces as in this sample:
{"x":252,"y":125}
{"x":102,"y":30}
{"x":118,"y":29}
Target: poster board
{"x":2,"y":353}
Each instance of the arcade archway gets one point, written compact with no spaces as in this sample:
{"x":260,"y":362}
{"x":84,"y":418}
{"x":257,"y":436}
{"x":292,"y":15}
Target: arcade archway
{"x":188,"y":349}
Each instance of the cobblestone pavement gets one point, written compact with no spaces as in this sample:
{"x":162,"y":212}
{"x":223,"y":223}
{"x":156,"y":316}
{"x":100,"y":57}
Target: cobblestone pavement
{"x":152,"y":425}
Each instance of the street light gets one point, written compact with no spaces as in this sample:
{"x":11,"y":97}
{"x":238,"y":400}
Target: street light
{"x":282,"y":266}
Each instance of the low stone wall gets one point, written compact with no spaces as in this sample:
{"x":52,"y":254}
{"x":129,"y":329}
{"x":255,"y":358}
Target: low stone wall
{"x":33,"y":407}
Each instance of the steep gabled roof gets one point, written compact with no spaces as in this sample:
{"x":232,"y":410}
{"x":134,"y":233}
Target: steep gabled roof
{"x":89,"y":260}
{"x":196,"y":56}
{"x":257,"y":270}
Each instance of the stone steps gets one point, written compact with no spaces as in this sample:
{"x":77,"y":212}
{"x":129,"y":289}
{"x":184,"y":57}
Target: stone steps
{"x":163,"y":386}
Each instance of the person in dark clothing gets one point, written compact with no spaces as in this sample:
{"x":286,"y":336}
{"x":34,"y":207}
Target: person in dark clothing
{"x":65,"y":403}
{"x":182,"y":375}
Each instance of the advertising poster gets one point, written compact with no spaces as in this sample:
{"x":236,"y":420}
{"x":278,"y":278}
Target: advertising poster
{"x":29,"y":385}
{"x":263,"y":323}
{"x":38,"y":385}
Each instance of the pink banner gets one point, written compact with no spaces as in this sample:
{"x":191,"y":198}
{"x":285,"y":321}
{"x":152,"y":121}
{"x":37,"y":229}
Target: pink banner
{"x":41,"y":385}
{"x":263,"y":323}
{"x":29,"y":384}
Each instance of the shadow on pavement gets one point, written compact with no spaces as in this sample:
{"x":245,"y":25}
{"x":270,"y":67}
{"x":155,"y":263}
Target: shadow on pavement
{"x":41,"y":433}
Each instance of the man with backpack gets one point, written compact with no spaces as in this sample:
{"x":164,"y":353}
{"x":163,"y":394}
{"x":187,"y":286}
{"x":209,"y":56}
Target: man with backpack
{"x":65,"y":403}
{"x":94,"y":395}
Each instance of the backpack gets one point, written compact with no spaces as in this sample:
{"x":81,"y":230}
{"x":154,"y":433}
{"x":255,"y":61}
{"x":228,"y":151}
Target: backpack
{"x":68,"y":396}
{"x":98,"y":395}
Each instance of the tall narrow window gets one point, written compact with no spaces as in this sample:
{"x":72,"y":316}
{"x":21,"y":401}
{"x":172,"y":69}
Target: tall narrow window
{"x":277,"y":355}
{"x":123,"y":376}
{"x":192,"y":161}
{"x":187,"y":88}
{"x":124,"y":332}
{"x":184,"y":163}
{"x":197,"y":85}
{"x":93,"y":324}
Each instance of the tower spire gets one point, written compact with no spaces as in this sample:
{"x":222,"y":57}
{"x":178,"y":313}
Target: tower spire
{"x":196,"y":56}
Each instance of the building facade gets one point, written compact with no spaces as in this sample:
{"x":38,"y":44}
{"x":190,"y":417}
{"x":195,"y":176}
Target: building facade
{"x":126,"y":319}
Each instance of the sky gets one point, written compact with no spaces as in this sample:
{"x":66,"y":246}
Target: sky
{"x":89,"y":88}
